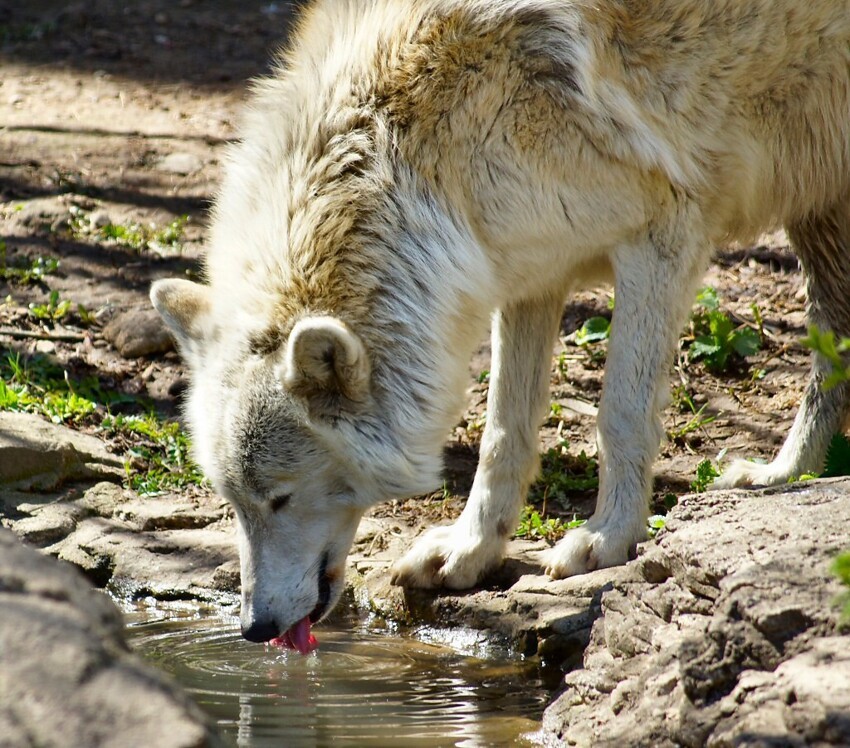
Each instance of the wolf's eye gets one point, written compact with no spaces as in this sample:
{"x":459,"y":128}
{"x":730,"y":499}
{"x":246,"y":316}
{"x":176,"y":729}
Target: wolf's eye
{"x":278,"y":502}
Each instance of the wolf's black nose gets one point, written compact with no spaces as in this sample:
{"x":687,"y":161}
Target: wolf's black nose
{"x":260,"y":631}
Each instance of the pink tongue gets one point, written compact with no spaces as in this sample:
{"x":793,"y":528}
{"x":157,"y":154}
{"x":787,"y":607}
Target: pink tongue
{"x":298,"y":637}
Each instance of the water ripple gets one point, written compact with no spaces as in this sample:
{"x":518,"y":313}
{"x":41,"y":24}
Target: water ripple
{"x":361,"y":687}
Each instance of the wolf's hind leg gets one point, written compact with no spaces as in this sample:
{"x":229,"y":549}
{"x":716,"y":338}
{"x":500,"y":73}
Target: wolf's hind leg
{"x":823,"y":246}
{"x":459,"y":555}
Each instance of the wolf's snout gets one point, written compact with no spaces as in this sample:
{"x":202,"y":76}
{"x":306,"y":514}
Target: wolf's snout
{"x":261,"y":631}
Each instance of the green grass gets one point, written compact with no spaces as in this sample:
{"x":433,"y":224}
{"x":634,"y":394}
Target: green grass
{"x":841,"y":569}
{"x":532,"y":526}
{"x":134,"y":236}
{"x":563,"y":474}
{"x":31,"y":271}
{"x":706,"y":473}
{"x":683,"y":400}
{"x":717,"y":340}
{"x":35,"y":384}
{"x":159,"y":450}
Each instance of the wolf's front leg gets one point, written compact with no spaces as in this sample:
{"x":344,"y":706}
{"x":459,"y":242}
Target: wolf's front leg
{"x":653,"y":294}
{"x":459,"y":555}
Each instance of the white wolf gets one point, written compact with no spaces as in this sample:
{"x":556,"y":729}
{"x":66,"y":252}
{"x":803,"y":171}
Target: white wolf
{"x":414,"y":168}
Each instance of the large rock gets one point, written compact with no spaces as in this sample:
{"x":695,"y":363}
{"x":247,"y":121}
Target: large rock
{"x":67,"y":677}
{"x":37,"y":454}
{"x":726,"y":635}
{"x":173,"y":546}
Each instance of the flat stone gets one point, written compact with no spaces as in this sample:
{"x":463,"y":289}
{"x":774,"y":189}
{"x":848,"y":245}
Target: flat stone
{"x":170,"y":513}
{"x":38,"y":454}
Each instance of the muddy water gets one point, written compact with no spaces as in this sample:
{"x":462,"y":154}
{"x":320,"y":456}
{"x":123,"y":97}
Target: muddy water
{"x":366,"y":685}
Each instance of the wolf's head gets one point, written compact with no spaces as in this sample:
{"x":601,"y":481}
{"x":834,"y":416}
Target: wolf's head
{"x":288,"y":430}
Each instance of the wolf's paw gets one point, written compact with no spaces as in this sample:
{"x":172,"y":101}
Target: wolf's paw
{"x":746,"y":473}
{"x":447,"y":557}
{"x":589,"y":547}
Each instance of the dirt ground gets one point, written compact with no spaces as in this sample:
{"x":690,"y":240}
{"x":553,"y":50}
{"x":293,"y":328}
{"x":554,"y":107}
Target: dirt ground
{"x":117,"y":114}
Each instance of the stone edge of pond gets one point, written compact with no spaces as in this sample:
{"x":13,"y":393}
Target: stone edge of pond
{"x":729,"y":604}
{"x":729,"y":632}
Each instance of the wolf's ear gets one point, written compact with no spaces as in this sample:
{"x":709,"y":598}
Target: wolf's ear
{"x":327,"y":365}
{"x":184,"y":306}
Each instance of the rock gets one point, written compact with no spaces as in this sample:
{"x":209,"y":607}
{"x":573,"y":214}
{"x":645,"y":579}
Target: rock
{"x":68,"y":677}
{"x":169,"y":547}
{"x":726,"y":634}
{"x":37,"y":454}
{"x":138,"y":332}
{"x":180,"y":163}
{"x":536,"y":615}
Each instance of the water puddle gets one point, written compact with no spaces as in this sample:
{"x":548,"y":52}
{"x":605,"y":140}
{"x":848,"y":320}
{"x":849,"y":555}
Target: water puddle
{"x":365,"y":685}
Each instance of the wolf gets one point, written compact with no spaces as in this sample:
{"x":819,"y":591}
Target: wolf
{"x":416,"y":170}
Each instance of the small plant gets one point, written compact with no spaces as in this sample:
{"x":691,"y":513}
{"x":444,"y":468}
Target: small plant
{"x":38,"y":386}
{"x":562,"y":473}
{"x":832,"y":350}
{"x":685,"y":403}
{"x":131,"y":235}
{"x":532,"y":526}
{"x":161,"y":453}
{"x":54,"y":310}
{"x":837,"y":457}
{"x":841,"y":569}
{"x":87,"y":319}
{"x":594,"y":330}
{"x":655,"y":523}
{"x":706,"y":473}
{"x":716,"y":337}
{"x":33,"y":272}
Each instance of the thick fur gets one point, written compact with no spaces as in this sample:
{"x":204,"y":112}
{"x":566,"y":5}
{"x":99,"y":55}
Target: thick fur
{"x":414,"y":169}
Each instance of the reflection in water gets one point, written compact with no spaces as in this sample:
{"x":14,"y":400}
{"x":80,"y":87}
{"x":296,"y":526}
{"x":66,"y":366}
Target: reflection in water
{"x":362,"y":687}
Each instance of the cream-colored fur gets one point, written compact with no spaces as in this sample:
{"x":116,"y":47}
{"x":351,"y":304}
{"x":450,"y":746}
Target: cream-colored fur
{"x":416,"y":168}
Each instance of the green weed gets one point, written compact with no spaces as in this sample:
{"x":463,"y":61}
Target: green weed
{"x":562,"y":474}
{"x":594,"y":330}
{"x":841,"y":569}
{"x":36,"y":385}
{"x":33,"y":272}
{"x":534,"y":527}
{"x":827,"y":346}
{"x":716,"y":337}
{"x":683,"y":400}
{"x":706,"y":473}
{"x":161,"y":450}
{"x":837,"y":457}
{"x":134,"y":236}
{"x":655,"y":523}
{"x":54,"y":310}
